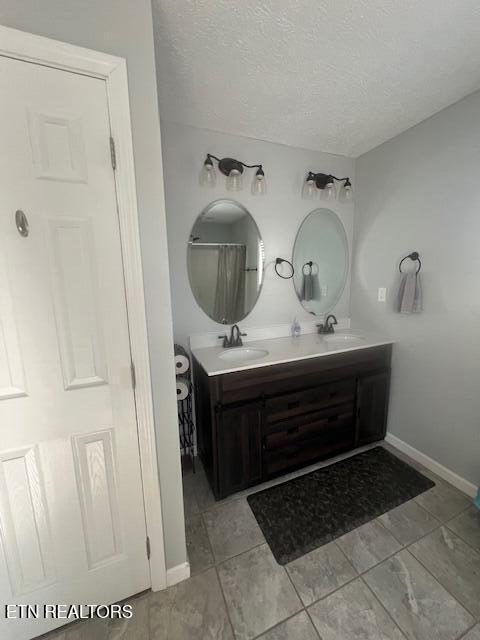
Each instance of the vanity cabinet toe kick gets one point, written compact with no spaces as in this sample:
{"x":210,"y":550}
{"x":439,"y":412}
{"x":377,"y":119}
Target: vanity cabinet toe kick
{"x":259,"y":423}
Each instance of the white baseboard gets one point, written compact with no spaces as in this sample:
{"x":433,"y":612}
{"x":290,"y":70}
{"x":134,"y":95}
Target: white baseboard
{"x":434,"y":466}
{"x":178,"y":573}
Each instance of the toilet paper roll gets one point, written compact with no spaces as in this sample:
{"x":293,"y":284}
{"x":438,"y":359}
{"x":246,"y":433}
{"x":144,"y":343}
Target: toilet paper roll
{"x":183,"y":388}
{"x":182,"y":363}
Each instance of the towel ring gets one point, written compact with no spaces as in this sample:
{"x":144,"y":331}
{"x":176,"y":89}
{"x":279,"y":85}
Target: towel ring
{"x":413,"y":256}
{"x":310,"y":266}
{"x":279,"y":261}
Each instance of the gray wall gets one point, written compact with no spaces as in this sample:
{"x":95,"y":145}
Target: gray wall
{"x":124,"y":28}
{"x":278,"y":215}
{"x":420,"y":191}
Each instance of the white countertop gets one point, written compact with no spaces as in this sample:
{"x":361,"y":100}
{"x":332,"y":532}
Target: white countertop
{"x":281,"y":350}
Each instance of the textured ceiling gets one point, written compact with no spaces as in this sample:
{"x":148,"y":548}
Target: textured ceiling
{"x":339,"y":76}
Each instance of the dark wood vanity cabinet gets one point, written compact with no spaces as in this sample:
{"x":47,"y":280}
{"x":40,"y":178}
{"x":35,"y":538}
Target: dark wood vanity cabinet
{"x":256,"y":424}
{"x":239,"y":433}
{"x":372,"y":405}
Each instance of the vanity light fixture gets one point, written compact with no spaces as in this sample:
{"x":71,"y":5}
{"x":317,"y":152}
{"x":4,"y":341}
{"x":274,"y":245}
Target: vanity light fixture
{"x":324,"y":184}
{"x":233,"y":169}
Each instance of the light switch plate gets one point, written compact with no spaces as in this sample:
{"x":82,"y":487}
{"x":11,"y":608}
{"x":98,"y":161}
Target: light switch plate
{"x":382,"y":294}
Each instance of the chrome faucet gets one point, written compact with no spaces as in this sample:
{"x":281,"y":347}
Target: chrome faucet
{"x":235,"y":339}
{"x":327,"y":326}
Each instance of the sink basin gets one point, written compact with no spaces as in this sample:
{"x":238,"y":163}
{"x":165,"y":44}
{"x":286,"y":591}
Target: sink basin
{"x":343,"y":339}
{"x":242,"y":354}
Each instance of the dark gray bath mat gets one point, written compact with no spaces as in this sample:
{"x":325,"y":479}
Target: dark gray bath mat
{"x":311,"y":510}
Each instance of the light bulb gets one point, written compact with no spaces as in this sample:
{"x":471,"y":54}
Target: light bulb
{"x":309,"y":191}
{"x":234,"y":180}
{"x":346,"y":192}
{"x":329,"y":192}
{"x":259,"y":186}
{"x":208,"y":176}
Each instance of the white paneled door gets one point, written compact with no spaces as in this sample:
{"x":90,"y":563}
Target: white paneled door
{"x":72,"y":521}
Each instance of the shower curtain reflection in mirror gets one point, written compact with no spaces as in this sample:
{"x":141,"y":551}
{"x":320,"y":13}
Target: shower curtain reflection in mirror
{"x":230,"y":289}
{"x":225,"y":261}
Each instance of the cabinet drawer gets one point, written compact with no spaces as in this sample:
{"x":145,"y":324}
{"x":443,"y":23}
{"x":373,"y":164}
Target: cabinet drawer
{"x":254,"y":384}
{"x":308,"y":400}
{"x":309,"y":426}
{"x":329,"y":444}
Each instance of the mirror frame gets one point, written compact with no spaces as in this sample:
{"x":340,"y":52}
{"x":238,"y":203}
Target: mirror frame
{"x":241,"y":206}
{"x":347,"y":260}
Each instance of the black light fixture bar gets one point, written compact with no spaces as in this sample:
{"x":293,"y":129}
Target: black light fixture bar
{"x":322,"y":179}
{"x":225,"y":165}
{"x":232,"y":169}
{"x":325,"y":183}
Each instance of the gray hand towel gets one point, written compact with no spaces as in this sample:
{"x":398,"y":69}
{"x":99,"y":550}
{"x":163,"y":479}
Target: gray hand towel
{"x":307,"y":292}
{"x":409,"y":297}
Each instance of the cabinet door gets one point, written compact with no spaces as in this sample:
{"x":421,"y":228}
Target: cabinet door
{"x":239,"y":447}
{"x":203,"y":416}
{"x":372,"y":403}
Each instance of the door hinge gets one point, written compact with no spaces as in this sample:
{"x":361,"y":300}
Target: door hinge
{"x":113,"y":153}
{"x":134,"y":375}
{"x":149,"y":551}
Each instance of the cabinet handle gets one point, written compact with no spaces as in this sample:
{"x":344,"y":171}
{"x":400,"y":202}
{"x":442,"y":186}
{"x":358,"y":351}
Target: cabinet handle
{"x":293,"y":405}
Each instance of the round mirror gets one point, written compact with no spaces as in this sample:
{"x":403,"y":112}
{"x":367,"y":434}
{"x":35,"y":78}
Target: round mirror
{"x":320,"y":259}
{"x":225,"y":261}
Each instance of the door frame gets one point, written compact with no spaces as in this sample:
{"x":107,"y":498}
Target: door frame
{"x":113,"y":70}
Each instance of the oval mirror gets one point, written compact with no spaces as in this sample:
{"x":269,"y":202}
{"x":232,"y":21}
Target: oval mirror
{"x":320,"y":259}
{"x":225,"y":261}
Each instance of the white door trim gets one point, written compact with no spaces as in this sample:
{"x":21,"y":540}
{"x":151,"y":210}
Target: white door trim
{"x":40,"y":50}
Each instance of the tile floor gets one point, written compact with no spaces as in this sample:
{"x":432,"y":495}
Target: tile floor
{"x":412,"y":574}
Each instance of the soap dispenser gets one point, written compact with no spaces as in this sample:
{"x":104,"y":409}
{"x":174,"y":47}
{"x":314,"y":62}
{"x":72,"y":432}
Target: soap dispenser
{"x":295,"y":329}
